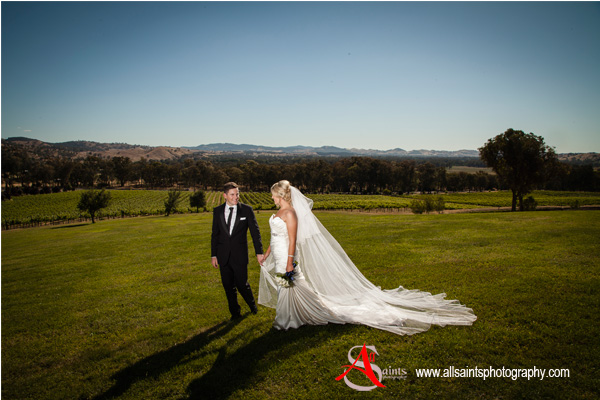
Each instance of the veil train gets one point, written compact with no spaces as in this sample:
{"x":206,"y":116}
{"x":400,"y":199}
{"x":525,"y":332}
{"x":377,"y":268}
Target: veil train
{"x":351,"y":297}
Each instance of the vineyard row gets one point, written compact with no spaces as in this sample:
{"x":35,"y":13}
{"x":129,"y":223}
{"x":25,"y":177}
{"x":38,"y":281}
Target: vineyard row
{"x":26,"y":211}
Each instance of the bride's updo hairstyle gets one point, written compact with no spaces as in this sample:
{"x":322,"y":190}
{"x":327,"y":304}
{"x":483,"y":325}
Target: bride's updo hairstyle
{"x":283,"y":190}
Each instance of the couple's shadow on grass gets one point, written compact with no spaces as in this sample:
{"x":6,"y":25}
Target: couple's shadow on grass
{"x":230,"y":371}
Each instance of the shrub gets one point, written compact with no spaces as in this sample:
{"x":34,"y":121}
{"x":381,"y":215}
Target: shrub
{"x":440,"y":204}
{"x":172,"y":201}
{"x":575,"y":205}
{"x":198,"y":199}
{"x":417,"y":206}
{"x":529,"y":204}
{"x":427,"y":204}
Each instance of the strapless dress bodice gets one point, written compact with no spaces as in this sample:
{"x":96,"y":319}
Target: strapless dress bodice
{"x":278,"y":227}
{"x":280,"y":243}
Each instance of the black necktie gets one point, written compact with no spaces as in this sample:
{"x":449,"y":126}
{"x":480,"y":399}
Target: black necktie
{"x":229,"y":219}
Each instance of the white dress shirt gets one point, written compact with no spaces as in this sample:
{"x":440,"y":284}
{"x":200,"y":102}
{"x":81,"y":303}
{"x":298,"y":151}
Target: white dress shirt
{"x":234,"y":211}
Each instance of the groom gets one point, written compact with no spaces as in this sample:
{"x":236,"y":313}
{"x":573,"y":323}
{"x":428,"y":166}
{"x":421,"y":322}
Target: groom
{"x":229,"y":247}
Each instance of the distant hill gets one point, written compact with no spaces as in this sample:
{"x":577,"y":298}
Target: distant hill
{"x":82,"y":148}
{"x":223,"y":148}
{"x":580,"y":158}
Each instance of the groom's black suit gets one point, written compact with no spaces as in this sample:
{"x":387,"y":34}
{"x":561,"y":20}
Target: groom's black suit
{"x":232,"y":253}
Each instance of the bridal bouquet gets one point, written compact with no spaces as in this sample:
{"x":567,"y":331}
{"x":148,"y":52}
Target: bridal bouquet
{"x":287,"y":279}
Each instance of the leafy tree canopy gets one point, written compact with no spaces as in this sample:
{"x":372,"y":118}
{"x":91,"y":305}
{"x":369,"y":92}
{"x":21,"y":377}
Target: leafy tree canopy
{"x":521,"y":160}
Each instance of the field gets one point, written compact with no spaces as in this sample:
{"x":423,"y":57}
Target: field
{"x":469,"y":170}
{"x":27,"y":211}
{"x":132,"y":309}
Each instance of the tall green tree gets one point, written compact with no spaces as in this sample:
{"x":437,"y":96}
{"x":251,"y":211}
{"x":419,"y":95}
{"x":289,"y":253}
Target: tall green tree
{"x":92,"y":201}
{"x":521,"y":161}
{"x":122,"y":168}
{"x":426,"y":175}
{"x":406,"y":176}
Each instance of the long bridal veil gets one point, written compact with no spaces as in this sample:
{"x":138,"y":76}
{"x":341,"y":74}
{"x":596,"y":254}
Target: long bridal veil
{"x":351,"y":297}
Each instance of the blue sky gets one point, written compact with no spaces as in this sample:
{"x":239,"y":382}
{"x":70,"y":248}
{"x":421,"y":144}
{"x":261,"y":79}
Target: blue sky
{"x":425,"y":75}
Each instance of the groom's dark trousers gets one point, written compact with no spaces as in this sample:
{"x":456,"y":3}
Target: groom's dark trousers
{"x":232,"y":253}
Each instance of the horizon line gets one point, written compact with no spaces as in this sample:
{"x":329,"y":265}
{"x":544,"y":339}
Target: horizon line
{"x":267,"y":146}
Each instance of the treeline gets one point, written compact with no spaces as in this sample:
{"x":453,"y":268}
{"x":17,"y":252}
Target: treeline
{"x":22,"y":174}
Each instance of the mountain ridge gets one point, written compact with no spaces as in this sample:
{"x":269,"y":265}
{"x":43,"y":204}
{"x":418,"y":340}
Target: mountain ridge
{"x":329,"y":150}
{"x":83,"y":148}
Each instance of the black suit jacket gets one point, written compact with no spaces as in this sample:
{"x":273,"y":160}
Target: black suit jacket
{"x":233,"y":249}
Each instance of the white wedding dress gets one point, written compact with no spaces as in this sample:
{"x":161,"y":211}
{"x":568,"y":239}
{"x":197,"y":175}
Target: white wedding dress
{"x":328,"y":288}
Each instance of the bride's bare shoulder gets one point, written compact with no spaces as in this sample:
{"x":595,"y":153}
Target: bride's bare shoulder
{"x":289,"y":214}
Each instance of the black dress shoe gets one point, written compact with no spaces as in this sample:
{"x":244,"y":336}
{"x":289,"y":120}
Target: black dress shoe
{"x":254,"y":310}
{"x":235,"y":317}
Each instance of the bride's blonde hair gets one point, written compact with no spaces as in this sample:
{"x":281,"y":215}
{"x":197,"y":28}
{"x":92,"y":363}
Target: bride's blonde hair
{"x":283,"y":190}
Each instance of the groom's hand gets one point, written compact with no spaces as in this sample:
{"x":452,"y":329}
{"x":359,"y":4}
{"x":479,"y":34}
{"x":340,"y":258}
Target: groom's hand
{"x":214,"y":261}
{"x":260,"y":258}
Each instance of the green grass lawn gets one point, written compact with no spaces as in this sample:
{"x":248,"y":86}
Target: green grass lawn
{"x":132,"y":309}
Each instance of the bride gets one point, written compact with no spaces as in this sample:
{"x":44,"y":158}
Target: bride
{"x":328,"y":288}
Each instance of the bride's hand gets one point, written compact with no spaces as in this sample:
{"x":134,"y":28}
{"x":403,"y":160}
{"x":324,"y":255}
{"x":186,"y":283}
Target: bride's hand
{"x":290,"y":267}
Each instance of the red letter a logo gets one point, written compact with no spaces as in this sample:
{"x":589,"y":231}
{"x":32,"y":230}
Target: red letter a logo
{"x":368,"y":370}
